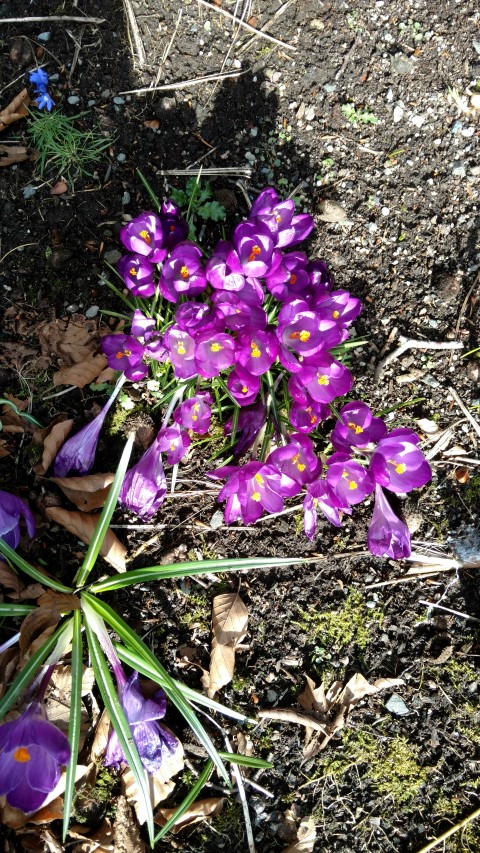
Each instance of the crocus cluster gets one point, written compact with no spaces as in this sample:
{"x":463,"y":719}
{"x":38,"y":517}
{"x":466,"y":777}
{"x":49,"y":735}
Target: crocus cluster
{"x":265,"y":327}
{"x":39,"y":79}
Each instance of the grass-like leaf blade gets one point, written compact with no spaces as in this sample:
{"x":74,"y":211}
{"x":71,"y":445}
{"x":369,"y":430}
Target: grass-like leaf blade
{"x":119,"y":723}
{"x":16,"y":609}
{"x":105,"y":516}
{"x":136,"y":662}
{"x":167,"y":682}
{"x":187,"y":802}
{"x":187,"y":569}
{"x":149,"y":190}
{"x":75,"y":717}
{"x":25,"y":676}
{"x":246,"y":760}
{"x":30,"y":570}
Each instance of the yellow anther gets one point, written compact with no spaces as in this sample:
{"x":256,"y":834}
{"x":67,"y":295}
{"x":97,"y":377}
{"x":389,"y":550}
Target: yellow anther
{"x":22,"y":755}
{"x":304,"y":336}
{"x":357,"y":429}
{"x":335,"y":314}
{"x":254,"y":350}
{"x":181,"y":349}
{"x":216,"y":347}
{"x":146,"y":236}
{"x":184,"y":273}
{"x":323,"y":380}
{"x":253,"y":254}
{"x":132,"y":271}
{"x":256,"y":496}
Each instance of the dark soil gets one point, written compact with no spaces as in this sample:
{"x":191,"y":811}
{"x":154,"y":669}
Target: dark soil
{"x":395,"y":194}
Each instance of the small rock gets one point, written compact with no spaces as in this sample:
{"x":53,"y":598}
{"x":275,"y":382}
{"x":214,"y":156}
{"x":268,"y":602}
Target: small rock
{"x":118,"y":100}
{"x":458,"y":169}
{"x":92,"y":312}
{"x":216,"y":520}
{"x":112,"y":256}
{"x":396,"y":705}
{"x":476,"y":45}
{"x":73,"y":99}
{"x":71,"y":309}
{"x":467,"y":132}
{"x":121,"y":158}
{"x":473,"y":371}
{"x":456,"y":127}
{"x":401,"y":64}
{"x":330,"y":87}
{"x":475,"y":101}
{"x":45,"y":37}
{"x":331,"y":211}
{"x":309,"y":114}
{"x":106,"y":93}
{"x":416,"y":120}
{"x":398,"y":113}
{"x":272,"y":695}
{"x":167,"y":103}
{"x":301,"y":111}
{"x":125,"y":198}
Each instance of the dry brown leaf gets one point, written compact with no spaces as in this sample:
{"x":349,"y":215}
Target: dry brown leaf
{"x":83,"y":525}
{"x":61,"y":601}
{"x":198,"y":811}
{"x":11,"y":154}
{"x":107,"y":375}
{"x":8,"y":665}
{"x":161,"y":783}
{"x":52,"y":444}
{"x":306,"y":837}
{"x":229,"y":626}
{"x":81,"y":374}
{"x":15,"y":110}
{"x":19,"y":591}
{"x":313,"y":698}
{"x":126,"y":829}
{"x":72,"y":339}
{"x":152,"y":123}
{"x":87,"y":493}
{"x":3,"y":449}
{"x":288,"y":715}
{"x":100,"y":740}
{"x":58,"y":700}
{"x":37,"y":626}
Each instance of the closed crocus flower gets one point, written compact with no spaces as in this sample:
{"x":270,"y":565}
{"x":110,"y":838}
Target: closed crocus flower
{"x":388,"y":535}
{"x":12,"y":510}
{"x":32,"y":750}
{"x":175,"y":228}
{"x":78,"y":452}
{"x":145,"y":485}
{"x":254,"y":246}
{"x":320,"y":496}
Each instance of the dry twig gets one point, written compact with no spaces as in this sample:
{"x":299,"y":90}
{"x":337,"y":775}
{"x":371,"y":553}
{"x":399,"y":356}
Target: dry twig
{"x":277,"y":14}
{"x":464,"y":409}
{"x":135,"y":33}
{"x":184,"y":84}
{"x":48,"y":18}
{"x":407,"y":343}
{"x":246,"y":26}
{"x":442,"y":838}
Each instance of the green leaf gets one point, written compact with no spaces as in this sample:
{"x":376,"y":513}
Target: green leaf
{"x":119,"y":723}
{"x":136,"y":662}
{"x":149,"y":189}
{"x":75,"y":717}
{"x":187,"y":569}
{"x":212,"y":210}
{"x":30,"y":570}
{"x":187,"y":802}
{"x":246,"y":760}
{"x":16,"y":609}
{"x":167,"y":682}
{"x":105,"y":516}
{"x":179,"y":197}
{"x":25,"y":676}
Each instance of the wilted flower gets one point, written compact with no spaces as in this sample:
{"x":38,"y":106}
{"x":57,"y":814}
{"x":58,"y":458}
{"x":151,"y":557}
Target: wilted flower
{"x":321,"y":495}
{"x":144,"y":236}
{"x":32,"y":750}
{"x":145,"y":485}
{"x":388,"y":535}
{"x":152,"y":740}
{"x":398,"y":464}
{"x":78,"y":452}
{"x":11,"y":511}
{"x":249,"y":423}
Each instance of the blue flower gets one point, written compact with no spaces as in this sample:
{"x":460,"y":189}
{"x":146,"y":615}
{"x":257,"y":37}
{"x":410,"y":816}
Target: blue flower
{"x":44,"y":100}
{"x":39,"y":78}
{"x":11,"y":510}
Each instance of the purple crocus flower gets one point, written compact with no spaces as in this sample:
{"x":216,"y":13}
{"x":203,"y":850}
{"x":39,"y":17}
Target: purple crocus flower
{"x":250,"y":421}
{"x":183,"y":272}
{"x":320,"y":495}
{"x":305,"y":418}
{"x":214,"y":352}
{"x":137,"y":273}
{"x":124,"y":352}
{"x":350,"y":481}
{"x":175,"y":228}
{"x":145,"y":327}
{"x":277,"y":215}
{"x":339,"y":306}
{"x":254,"y":246}
{"x":181,"y":349}
{"x":251,"y":489}
{"x":145,"y":485}
{"x":197,"y":316}
{"x":195,"y":413}
{"x":144,"y":236}
{"x":299,"y":331}
{"x":256,"y":351}
{"x":397,"y":462}
{"x":11,"y":511}
{"x":326,"y":378}
{"x":78,"y":452}
{"x":243,"y":386}
{"x":287,"y":276}
{"x":152,"y":740}
{"x":388,"y":535}
{"x":224,"y":270}
{"x":320,"y":276}
{"x":297,"y":460}
{"x":32,"y":750}
{"x":174,"y":441}
{"x":356,"y":427}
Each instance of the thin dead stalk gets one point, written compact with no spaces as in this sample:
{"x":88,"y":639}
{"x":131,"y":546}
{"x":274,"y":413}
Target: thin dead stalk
{"x":135,"y":33}
{"x":449,"y":610}
{"x":220,"y":11}
{"x":407,"y":343}
{"x":184,"y":84}
{"x":40,"y":19}
{"x":266,"y":26}
{"x":442,"y":838}
{"x":464,"y":410}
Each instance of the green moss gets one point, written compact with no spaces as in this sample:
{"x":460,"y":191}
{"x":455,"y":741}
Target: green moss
{"x":332,"y":631}
{"x":117,"y":420}
{"x":393,"y":769}
{"x":459,"y":674}
{"x":230,"y":823}
{"x":197,"y":611}
{"x":468,"y":717}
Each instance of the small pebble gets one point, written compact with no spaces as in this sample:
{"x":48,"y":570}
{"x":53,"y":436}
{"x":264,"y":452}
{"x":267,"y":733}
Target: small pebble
{"x":92,"y":312}
{"x":121,"y":158}
{"x":73,"y":99}
{"x":125,"y":198}
{"x":398,"y":114}
{"x":118,"y":100}
{"x":45,"y":37}
{"x":70,"y":309}
{"x":458,"y":169}
{"x":106,"y":93}
{"x":112,"y":256}
{"x":309,"y":113}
